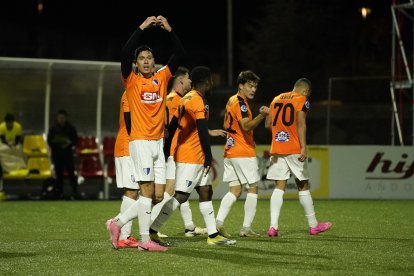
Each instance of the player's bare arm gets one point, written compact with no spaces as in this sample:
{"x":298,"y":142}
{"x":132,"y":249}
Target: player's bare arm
{"x":301,"y":127}
{"x":217,"y":132}
{"x":249,"y":125}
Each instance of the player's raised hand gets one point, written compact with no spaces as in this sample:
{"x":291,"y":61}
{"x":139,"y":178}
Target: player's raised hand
{"x":264,"y":110}
{"x":163,"y":23}
{"x":150,"y":21}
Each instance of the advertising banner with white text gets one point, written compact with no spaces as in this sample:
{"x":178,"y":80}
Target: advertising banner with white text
{"x":337,"y":172}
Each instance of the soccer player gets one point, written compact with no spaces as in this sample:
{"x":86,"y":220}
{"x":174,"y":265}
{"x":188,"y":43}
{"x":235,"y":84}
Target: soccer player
{"x":287,"y":121}
{"x":179,"y":85}
{"x":240,"y":162}
{"x":146,"y":93}
{"x":192,"y":155}
{"x":126,"y":176}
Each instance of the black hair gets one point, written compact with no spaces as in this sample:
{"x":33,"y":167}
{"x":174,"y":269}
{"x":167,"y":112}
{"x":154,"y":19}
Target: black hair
{"x":9,"y":117}
{"x":62,"y":112}
{"x":200,"y":74}
{"x":141,"y":49}
{"x":246,"y":76}
{"x":181,"y":71}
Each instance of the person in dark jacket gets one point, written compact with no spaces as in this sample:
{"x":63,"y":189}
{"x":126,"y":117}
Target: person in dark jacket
{"x":62,"y":139}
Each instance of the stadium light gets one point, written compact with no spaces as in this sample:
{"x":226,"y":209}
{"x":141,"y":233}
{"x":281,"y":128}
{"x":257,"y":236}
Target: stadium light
{"x":365,"y":12}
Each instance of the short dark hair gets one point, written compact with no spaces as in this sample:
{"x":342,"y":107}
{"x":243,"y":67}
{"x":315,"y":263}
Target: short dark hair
{"x":9,"y":117}
{"x":246,"y":76}
{"x":181,"y":71}
{"x":200,"y":74}
{"x":62,"y":112}
{"x":141,"y":49}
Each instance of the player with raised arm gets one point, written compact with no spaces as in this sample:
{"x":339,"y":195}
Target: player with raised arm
{"x":146,"y":92}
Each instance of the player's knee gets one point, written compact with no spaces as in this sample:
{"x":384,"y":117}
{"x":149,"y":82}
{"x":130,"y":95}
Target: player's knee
{"x":158,"y":198}
{"x":237,"y":193}
{"x":133,"y":194}
{"x":181,"y":197}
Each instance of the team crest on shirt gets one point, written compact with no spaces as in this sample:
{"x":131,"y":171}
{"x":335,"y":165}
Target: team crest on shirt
{"x":282,"y":136}
{"x":207,"y":108}
{"x":188,"y":183}
{"x":307,"y":104}
{"x":230,"y":142}
{"x":132,"y":178}
{"x":155,"y":82}
{"x":243,"y":108}
{"x":147,"y":170}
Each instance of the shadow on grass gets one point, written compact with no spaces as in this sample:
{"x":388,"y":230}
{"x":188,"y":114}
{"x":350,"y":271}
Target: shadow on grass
{"x":10,"y":255}
{"x":268,"y":258}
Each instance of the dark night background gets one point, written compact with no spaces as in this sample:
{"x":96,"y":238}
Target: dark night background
{"x":280,"y":40}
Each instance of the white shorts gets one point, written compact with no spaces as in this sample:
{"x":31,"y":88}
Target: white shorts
{"x":170,"y":168}
{"x":281,"y":166}
{"x":189,"y":176}
{"x":126,"y":176}
{"x":242,"y":169}
{"x":149,"y":160}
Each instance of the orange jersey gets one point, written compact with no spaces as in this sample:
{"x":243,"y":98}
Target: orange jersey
{"x":122,"y":138}
{"x":188,"y":147}
{"x":173,"y":100}
{"x":283,"y":110}
{"x":146,"y":99}
{"x":240,"y":143}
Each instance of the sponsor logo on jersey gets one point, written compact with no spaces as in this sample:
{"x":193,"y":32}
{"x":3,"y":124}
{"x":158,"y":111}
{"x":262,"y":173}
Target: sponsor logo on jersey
{"x":282,"y":136}
{"x":150,"y":97}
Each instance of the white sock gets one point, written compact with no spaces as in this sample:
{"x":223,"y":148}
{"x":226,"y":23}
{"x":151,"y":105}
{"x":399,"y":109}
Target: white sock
{"x":157,"y":207}
{"x":276,"y":202}
{"x":207,"y":210}
{"x":126,"y":229}
{"x":306,"y":201}
{"x":187,"y":215}
{"x":225,"y":206}
{"x":166,"y":212}
{"x":249,"y":209}
{"x":128,"y":215}
{"x":144,"y":217}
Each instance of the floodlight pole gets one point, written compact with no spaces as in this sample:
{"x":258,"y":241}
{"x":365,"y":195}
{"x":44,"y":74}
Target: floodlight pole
{"x":400,"y":84}
{"x":229,"y":43}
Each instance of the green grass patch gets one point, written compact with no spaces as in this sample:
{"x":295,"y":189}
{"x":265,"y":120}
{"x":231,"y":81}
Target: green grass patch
{"x":369,"y":237}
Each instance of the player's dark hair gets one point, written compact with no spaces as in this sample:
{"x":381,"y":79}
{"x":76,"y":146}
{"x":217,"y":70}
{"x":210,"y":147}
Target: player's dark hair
{"x":199,"y":75}
{"x":141,"y":49}
{"x":246,"y":76}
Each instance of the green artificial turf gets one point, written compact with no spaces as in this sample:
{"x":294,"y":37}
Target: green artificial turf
{"x":369,"y":237}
